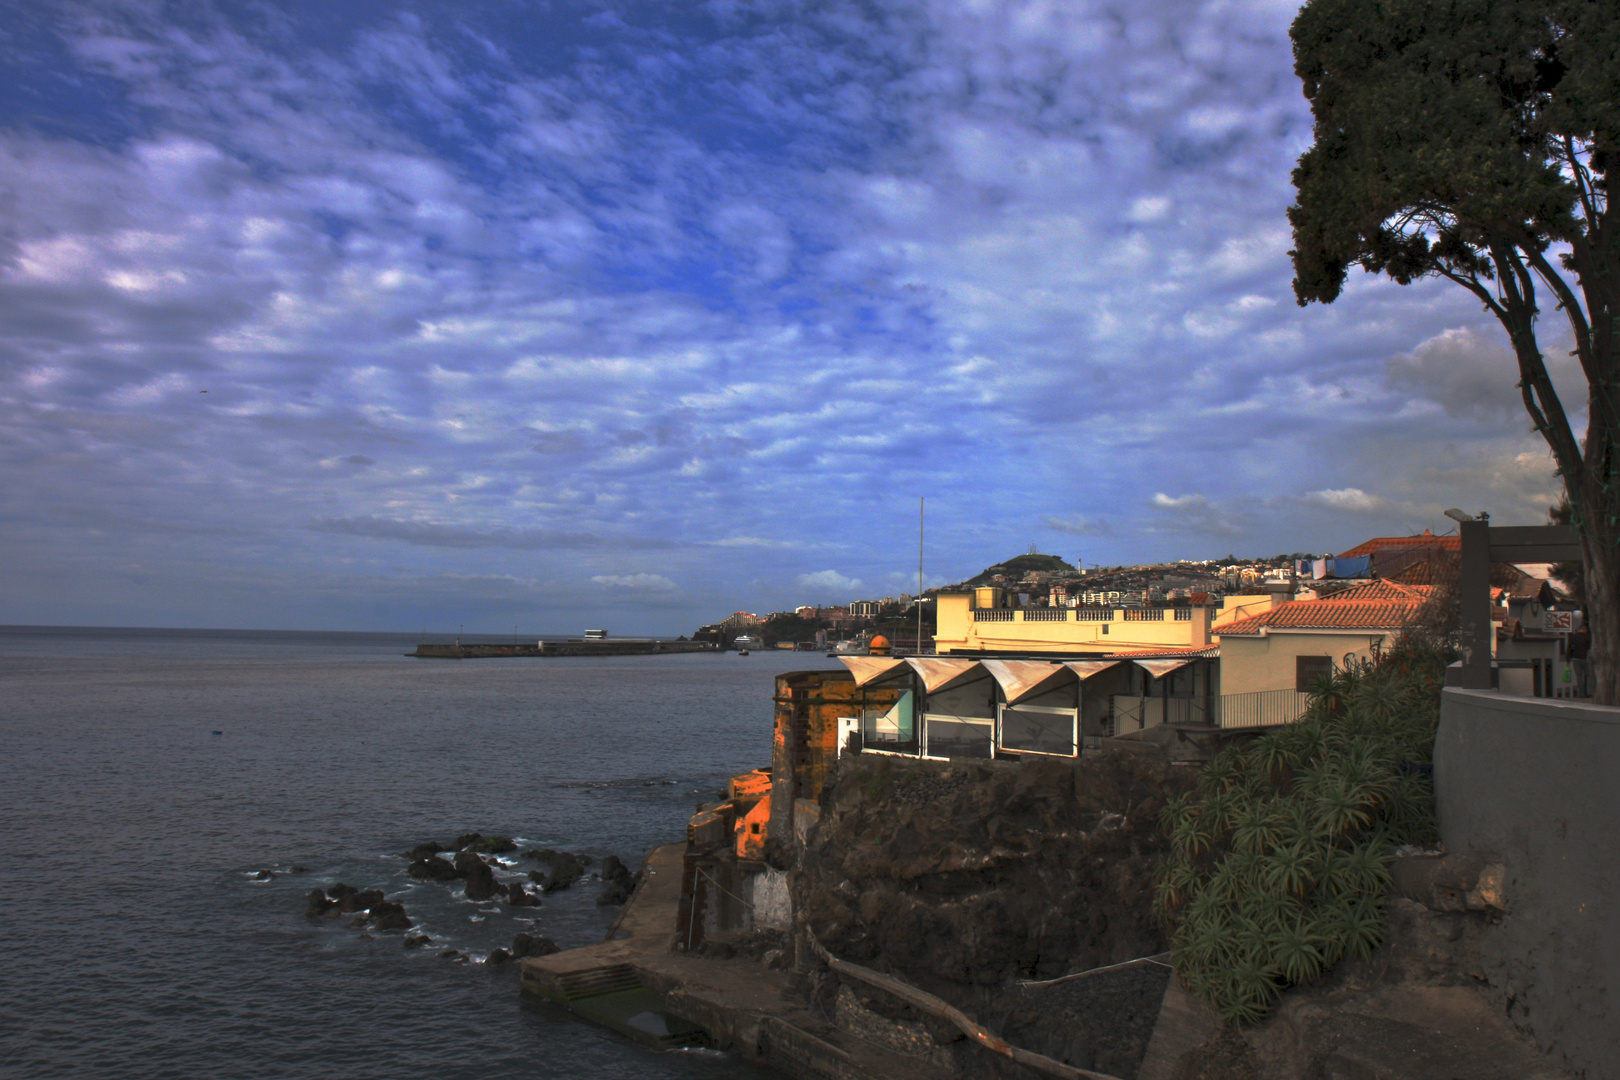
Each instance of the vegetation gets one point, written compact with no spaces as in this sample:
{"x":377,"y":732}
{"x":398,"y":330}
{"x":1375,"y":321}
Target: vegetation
{"x":1280,"y":861}
{"x":1474,"y":142}
{"x":1019,"y":565}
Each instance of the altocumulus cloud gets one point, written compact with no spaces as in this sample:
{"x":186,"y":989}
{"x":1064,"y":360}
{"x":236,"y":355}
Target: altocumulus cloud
{"x":391,"y":297}
{"x":636,"y":582}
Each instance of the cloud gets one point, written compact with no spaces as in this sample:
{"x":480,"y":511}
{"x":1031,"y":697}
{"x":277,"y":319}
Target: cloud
{"x":1198,"y":513}
{"x":514,"y":299}
{"x":1078,"y":526}
{"x":822,"y":582}
{"x":636,"y":582}
{"x":445,"y":535}
{"x":1350,"y":498}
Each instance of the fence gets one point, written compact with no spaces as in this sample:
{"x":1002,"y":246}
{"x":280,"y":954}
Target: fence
{"x":1046,"y":614}
{"x":1263,"y":708}
{"x":992,"y":615}
{"x":1152,"y":614}
{"x":1133,"y":713}
{"x":1094,"y":614}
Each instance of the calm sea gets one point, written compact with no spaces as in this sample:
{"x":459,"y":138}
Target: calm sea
{"x":149,"y":775}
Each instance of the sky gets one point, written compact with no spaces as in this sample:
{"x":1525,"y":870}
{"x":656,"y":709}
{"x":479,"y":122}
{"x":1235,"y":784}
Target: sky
{"x":532,"y":316}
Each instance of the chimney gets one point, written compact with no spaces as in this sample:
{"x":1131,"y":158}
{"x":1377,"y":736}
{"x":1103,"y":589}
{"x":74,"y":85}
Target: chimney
{"x":1281,"y":592}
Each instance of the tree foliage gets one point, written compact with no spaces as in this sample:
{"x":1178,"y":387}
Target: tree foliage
{"x":1474,"y":142}
{"x":1280,"y":862}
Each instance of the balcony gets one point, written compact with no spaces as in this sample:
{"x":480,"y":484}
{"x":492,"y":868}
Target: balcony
{"x":1263,"y":708}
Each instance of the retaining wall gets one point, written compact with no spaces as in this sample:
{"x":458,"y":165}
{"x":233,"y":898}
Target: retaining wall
{"x":1537,"y":781}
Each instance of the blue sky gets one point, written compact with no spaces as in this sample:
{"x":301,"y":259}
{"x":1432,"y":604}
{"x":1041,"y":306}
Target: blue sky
{"x":363,"y":315}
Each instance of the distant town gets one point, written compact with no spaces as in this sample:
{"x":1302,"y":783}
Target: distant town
{"x":1031,"y":580}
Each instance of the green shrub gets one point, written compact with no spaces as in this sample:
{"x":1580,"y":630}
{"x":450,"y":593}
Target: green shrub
{"x":1280,"y":861}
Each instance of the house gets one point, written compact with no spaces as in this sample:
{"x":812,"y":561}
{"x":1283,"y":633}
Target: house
{"x":1271,"y":658}
{"x":1388,"y":555}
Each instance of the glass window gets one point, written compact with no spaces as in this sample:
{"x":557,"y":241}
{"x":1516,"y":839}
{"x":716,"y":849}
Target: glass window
{"x":1308,"y":669}
{"x":957,"y":736}
{"x":1037,"y":730}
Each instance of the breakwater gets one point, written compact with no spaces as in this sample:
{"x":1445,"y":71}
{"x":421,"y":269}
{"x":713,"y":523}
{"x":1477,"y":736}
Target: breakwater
{"x":457,"y":650}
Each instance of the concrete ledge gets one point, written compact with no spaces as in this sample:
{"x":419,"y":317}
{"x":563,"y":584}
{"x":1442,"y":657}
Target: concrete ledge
{"x":1537,"y":781}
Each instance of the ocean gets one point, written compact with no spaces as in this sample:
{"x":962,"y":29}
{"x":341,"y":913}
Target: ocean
{"x":151,"y":775}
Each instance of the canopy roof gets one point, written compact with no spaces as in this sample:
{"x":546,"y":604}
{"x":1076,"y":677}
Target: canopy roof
{"x":942,"y":673}
{"x":1087,"y":668}
{"x":1160,"y":668}
{"x":868,"y":669}
{"x":1021,"y":679}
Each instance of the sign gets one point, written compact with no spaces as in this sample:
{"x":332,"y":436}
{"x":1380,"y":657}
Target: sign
{"x":1558,"y":622}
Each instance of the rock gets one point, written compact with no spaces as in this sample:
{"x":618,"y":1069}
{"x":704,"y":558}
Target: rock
{"x":390,"y":916}
{"x":368,"y":898}
{"x":345,"y":897}
{"x":424,"y":851}
{"x":772,"y":959}
{"x":417,"y":941}
{"x":565,"y":870}
{"x":617,"y":882}
{"x":319,"y":903}
{"x":264,"y":875}
{"x":498,"y":956}
{"x":480,"y":878}
{"x":358,"y":921}
{"x":518,"y":896}
{"x":496,"y":845}
{"x":299,"y":870}
{"x":450,"y":954}
{"x":468,"y":839}
{"x":533,"y":945}
{"x":366,"y":937}
{"x":433,"y":868}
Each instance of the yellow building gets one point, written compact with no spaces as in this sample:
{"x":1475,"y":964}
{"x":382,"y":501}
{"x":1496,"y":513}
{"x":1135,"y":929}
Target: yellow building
{"x":1271,"y":658}
{"x":980,"y":622}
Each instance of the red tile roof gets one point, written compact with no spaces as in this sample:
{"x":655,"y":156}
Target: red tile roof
{"x":1426,"y":539}
{"x":1377,"y":605}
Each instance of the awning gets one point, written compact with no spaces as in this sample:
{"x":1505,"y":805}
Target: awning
{"x":867,"y":669}
{"x":1160,"y":668}
{"x":1020,"y":679}
{"x":1087,"y":668}
{"x":941,"y":673}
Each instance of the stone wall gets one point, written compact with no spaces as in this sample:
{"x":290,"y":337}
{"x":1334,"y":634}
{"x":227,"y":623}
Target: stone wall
{"x":1537,"y":782}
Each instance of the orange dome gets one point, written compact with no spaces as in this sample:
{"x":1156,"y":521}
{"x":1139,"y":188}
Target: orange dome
{"x":879,"y":646}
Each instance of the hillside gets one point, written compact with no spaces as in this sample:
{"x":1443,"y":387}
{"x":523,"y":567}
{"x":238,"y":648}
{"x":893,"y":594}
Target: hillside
{"x":1019,"y":565}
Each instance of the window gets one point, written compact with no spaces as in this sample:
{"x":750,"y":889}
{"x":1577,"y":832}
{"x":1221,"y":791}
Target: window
{"x":1039,"y":729}
{"x":1308,"y":669}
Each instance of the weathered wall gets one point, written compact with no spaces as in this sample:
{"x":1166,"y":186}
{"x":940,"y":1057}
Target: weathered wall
{"x":1538,"y":782}
{"x":1250,"y":664}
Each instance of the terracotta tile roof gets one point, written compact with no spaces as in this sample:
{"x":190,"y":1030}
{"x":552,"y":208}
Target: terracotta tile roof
{"x":1377,"y":605}
{"x":1379,"y":544}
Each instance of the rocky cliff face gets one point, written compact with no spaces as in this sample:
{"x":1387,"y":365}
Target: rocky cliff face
{"x":964,"y":878}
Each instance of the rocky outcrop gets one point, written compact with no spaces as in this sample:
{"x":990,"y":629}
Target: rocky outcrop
{"x":479,"y":877}
{"x":563,"y":868}
{"x":617,"y":882}
{"x":532,"y":945}
{"x":433,"y":868}
{"x":1414,"y":1011}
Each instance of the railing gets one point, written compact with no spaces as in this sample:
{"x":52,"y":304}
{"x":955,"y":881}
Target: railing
{"x":1152,"y":614}
{"x":1046,"y":614}
{"x":992,"y":615}
{"x":1094,"y":614}
{"x":1183,"y":614}
{"x":1263,"y":708}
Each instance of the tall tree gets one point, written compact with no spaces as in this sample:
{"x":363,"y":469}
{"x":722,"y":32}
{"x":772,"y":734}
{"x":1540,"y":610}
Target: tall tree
{"x":1473,"y":140}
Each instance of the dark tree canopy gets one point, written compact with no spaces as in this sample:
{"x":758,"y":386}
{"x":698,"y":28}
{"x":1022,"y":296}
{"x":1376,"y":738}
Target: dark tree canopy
{"x":1474,"y":140}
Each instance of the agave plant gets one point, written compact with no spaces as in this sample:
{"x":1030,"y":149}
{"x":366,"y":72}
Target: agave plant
{"x":1282,"y":863}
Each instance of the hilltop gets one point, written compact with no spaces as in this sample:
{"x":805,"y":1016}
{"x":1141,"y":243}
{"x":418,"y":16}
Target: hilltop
{"x":1016,"y":567}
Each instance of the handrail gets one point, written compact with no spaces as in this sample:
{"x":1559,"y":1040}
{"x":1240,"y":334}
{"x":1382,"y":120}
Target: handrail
{"x":928,"y":1003}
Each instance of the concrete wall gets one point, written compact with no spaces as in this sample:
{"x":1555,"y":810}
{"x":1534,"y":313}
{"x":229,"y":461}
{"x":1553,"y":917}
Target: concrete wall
{"x":1251,"y":664}
{"x":1538,"y":782}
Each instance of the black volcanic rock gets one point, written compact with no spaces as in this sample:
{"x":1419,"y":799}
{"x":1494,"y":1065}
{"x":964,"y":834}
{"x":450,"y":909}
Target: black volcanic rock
{"x":433,"y":868}
{"x":480,"y":878}
{"x":533,"y":945}
{"x":319,"y":903}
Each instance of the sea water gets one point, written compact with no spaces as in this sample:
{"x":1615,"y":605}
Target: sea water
{"x":147,"y":777}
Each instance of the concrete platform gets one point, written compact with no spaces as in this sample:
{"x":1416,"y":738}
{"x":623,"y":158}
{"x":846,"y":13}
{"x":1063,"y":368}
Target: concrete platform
{"x":738,"y":1004}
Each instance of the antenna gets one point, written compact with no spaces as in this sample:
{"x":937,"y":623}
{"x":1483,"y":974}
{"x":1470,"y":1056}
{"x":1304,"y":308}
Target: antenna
{"x":921,"y":501}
